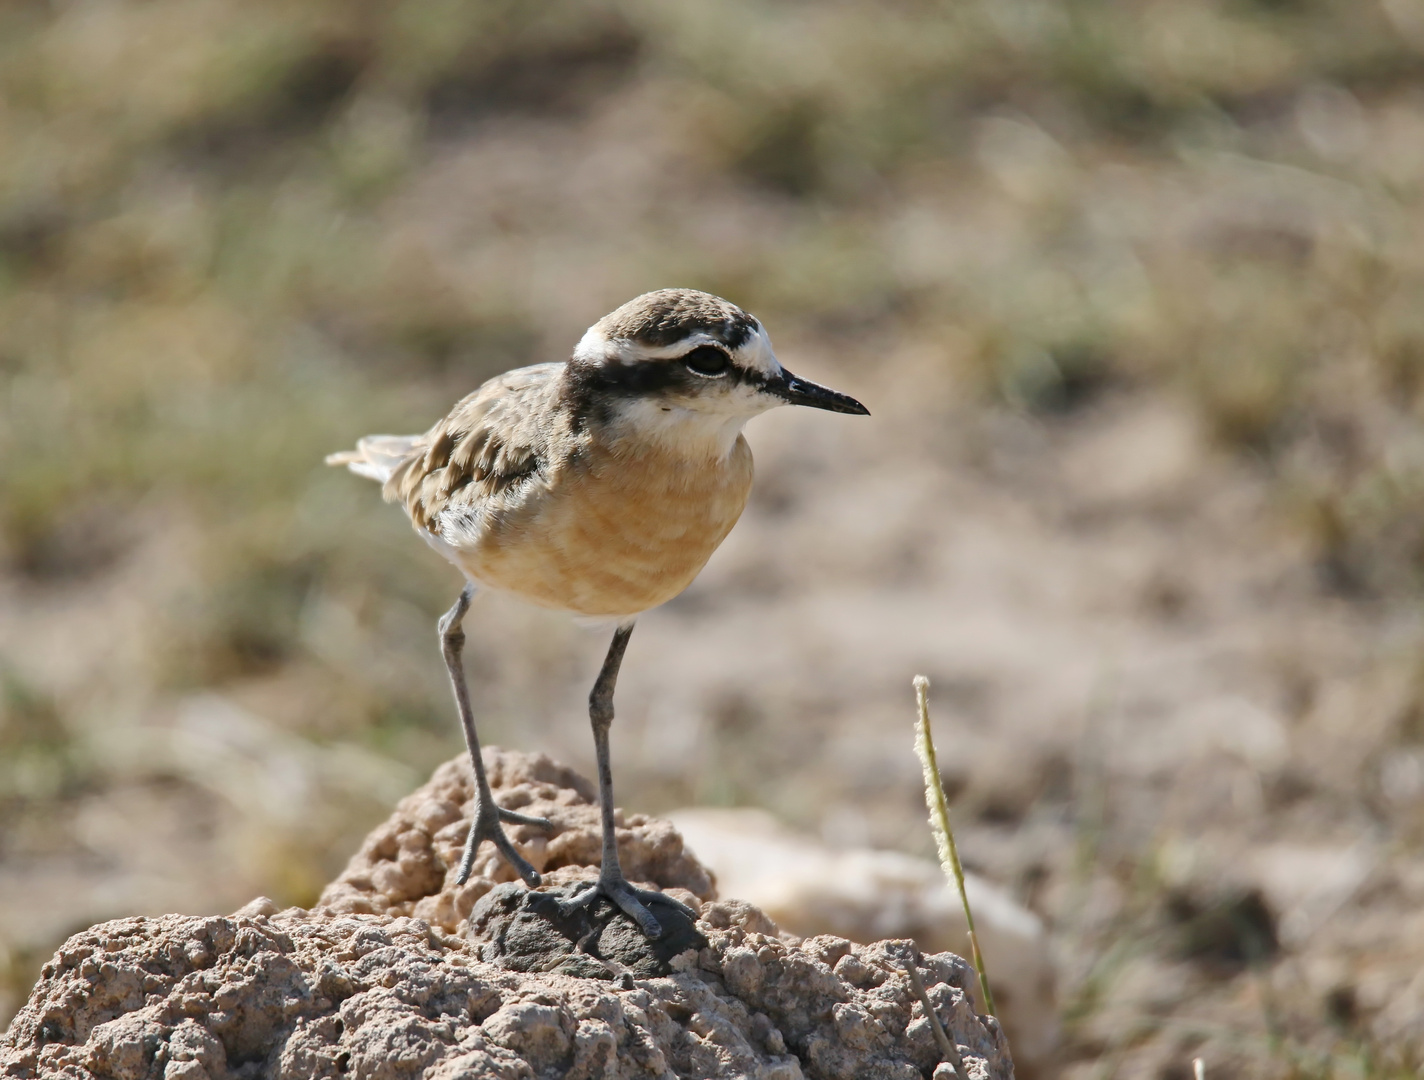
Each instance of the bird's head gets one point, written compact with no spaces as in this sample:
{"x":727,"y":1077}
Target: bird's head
{"x":681,"y":362}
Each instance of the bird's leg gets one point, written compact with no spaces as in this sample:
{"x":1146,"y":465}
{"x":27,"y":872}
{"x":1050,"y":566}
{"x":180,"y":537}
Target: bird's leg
{"x":487,"y":817}
{"x":611,"y":882}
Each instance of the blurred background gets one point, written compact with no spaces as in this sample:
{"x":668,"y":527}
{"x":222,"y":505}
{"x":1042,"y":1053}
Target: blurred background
{"x":1134,"y":291}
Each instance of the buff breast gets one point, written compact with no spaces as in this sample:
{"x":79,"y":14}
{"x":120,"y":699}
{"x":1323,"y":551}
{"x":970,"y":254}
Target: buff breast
{"x":617,"y":532}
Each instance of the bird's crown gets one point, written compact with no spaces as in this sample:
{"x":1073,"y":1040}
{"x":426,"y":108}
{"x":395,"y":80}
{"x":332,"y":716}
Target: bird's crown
{"x":668,"y":316}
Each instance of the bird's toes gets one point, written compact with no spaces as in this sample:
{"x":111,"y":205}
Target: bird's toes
{"x":486,"y":826}
{"x":628,"y":900}
{"x":514,"y":818}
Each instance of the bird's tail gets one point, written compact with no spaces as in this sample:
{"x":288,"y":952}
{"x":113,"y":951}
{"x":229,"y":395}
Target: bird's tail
{"x":376,"y":456}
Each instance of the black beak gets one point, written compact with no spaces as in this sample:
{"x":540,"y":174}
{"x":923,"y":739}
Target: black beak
{"x":795,"y":391}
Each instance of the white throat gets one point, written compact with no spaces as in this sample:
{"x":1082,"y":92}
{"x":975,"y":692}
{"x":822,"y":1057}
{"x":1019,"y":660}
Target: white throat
{"x":687,"y":433}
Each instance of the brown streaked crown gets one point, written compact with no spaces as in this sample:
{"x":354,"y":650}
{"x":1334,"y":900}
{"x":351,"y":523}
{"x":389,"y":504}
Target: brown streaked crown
{"x":667,"y":316}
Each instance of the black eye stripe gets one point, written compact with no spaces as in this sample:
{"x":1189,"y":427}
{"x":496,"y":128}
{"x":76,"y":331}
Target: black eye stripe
{"x":707,"y":360}
{"x":595,"y":388}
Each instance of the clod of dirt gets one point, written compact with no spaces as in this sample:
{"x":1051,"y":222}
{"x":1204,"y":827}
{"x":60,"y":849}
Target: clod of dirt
{"x":306,"y":994}
{"x":524,"y":930}
{"x":1223,"y":932}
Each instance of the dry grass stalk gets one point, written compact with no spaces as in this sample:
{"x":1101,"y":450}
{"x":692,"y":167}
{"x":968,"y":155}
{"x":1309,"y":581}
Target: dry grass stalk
{"x":938,"y":804}
{"x":948,"y":1051}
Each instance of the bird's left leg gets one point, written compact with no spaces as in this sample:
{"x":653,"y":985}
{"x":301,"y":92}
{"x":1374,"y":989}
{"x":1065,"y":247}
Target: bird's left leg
{"x":487,"y":817}
{"x":611,"y":882}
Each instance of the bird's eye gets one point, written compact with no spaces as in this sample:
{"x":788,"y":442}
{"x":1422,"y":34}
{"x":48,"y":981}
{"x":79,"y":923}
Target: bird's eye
{"x":707,"y":360}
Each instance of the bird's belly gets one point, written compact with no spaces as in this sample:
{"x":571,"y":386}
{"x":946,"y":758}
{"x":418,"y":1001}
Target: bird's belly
{"x":616,"y":538}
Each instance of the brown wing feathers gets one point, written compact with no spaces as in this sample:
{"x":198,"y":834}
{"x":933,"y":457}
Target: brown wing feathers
{"x":488,"y":443}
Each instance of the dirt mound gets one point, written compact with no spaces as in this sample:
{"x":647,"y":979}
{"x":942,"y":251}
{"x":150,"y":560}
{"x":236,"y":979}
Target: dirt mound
{"x":406,"y":866}
{"x":340,"y":991}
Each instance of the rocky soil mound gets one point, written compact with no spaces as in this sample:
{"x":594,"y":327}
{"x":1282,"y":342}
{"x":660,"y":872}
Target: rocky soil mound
{"x":394,"y":975}
{"x":407,"y":865}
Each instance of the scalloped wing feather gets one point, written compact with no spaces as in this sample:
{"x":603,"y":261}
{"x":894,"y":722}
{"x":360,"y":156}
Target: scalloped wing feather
{"x":488,"y":444}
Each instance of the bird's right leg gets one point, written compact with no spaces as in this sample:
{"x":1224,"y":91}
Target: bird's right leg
{"x":611,"y":882}
{"x":487,"y":816}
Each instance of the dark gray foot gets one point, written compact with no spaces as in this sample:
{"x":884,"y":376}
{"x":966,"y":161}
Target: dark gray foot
{"x":630,"y":900}
{"x":486,"y":826}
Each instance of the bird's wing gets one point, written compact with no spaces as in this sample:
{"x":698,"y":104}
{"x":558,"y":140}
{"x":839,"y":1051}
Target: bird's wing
{"x":492,"y":441}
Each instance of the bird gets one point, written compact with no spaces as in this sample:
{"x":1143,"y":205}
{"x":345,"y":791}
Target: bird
{"x":598,"y":486}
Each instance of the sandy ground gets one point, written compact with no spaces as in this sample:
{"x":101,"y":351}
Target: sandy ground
{"x":1162,"y":732}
